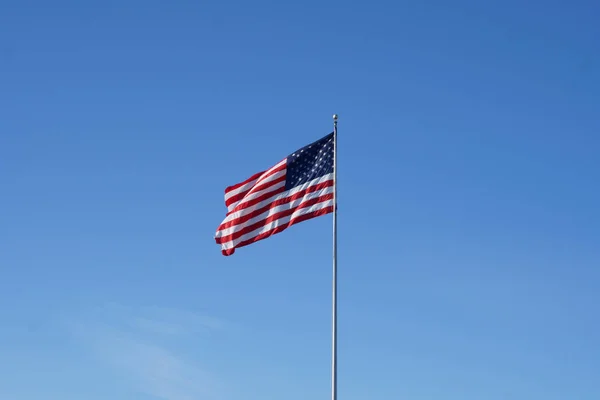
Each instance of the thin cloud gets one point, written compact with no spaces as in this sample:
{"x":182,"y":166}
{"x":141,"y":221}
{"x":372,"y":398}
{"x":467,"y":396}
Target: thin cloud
{"x":133,"y":343}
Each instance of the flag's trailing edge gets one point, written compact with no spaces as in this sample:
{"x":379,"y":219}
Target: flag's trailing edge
{"x":297,"y":189}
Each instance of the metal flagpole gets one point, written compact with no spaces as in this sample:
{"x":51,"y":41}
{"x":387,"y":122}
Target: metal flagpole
{"x":334,"y":285}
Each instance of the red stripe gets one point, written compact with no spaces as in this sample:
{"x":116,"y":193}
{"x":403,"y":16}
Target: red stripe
{"x":258,"y":199}
{"x":279,"y":229}
{"x":275,"y":203}
{"x":252,"y":178}
{"x":258,"y":187}
{"x":258,"y":176}
{"x":285,"y":213}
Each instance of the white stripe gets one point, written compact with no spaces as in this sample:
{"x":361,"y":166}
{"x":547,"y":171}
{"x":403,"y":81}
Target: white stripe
{"x":243,"y":188}
{"x":254,"y":195}
{"x":273,"y":211}
{"x":250,"y":184}
{"x":260,"y":181}
{"x":283,"y":195}
{"x":282,"y":221}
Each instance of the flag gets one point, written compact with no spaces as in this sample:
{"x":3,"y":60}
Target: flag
{"x":298,"y":188}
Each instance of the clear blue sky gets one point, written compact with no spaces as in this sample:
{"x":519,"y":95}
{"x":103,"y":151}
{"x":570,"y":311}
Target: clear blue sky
{"x":469,"y":188}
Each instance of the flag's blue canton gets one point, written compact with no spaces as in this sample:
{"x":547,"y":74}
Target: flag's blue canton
{"x":310,"y":162}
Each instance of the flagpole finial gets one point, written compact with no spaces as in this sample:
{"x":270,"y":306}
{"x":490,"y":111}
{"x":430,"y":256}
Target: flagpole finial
{"x":335,"y":117}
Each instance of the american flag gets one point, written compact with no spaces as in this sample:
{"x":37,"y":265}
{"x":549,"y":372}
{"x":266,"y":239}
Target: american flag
{"x":298,"y":188}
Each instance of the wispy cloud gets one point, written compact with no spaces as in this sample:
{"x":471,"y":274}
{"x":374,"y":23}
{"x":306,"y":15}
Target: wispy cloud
{"x":135,"y":342}
{"x":173,"y":321}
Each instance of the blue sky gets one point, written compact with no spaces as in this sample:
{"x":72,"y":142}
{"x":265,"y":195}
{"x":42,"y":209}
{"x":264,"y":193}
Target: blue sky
{"x":468,"y":193}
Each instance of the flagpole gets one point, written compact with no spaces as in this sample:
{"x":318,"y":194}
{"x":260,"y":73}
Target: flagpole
{"x":334,"y":284}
